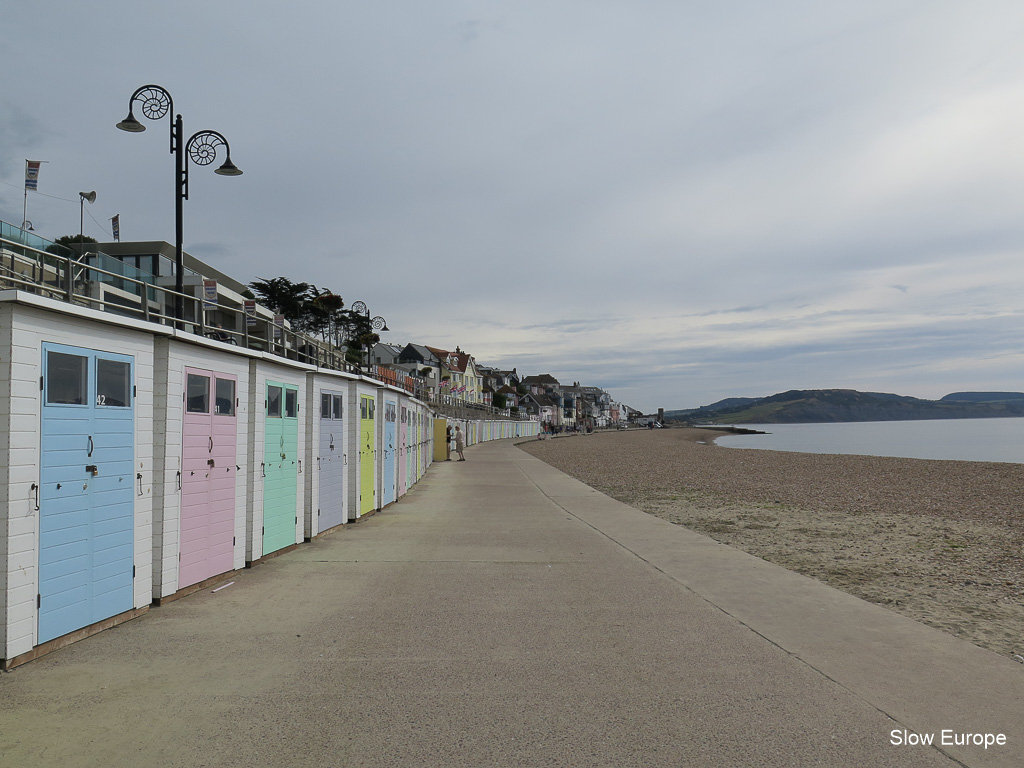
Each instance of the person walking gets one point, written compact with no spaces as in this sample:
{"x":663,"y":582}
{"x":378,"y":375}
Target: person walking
{"x":460,"y":443}
{"x":448,"y":443}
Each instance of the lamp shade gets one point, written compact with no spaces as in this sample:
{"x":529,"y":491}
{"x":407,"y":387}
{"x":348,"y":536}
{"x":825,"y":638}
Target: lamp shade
{"x":229,"y":169}
{"x":131,"y":125}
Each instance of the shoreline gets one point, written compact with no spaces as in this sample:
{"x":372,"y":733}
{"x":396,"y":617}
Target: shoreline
{"x":939,"y":541}
{"x":989,"y":441}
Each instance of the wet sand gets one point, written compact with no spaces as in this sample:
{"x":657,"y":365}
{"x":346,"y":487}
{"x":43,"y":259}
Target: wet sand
{"x":939,"y":541}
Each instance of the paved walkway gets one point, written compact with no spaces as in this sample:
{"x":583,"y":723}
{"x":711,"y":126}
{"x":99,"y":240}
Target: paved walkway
{"x":503,"y":614}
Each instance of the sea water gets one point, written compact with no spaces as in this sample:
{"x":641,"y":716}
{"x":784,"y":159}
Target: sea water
{"x":1000,"y":440}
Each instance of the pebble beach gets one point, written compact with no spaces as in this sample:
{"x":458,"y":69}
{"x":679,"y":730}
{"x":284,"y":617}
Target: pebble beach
{"x":941,"y":542}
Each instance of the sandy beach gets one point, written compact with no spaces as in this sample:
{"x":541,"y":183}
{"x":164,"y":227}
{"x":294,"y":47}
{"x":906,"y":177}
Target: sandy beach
{"x":939,"y":541}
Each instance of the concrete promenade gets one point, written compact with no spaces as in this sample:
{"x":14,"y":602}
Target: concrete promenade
{"x":503,"y":614}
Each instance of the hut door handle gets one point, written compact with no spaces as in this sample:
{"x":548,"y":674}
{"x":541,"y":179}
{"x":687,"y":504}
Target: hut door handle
{"x":139,"y":478}
{"x":179,"y":479}
{"x":91,"y":446}
{"x":211,"y":444}
{"x":300,"y":466}
{"x":35,"y":487}
{"x":263,"y":468}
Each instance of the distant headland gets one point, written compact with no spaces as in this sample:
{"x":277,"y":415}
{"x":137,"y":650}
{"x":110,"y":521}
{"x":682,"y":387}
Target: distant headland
{"x":799,"y":406}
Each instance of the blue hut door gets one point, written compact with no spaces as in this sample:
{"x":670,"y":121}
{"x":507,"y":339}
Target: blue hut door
{"x":388,"y":488}
{"x":87,"y":489}
{"x":331,"y":460}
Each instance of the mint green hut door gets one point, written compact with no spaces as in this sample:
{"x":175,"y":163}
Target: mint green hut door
{"x":281,"y":467}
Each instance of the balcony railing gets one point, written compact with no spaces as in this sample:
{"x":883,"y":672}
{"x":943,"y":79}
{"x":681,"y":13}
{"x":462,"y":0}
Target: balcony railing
{"x":34,"y":265}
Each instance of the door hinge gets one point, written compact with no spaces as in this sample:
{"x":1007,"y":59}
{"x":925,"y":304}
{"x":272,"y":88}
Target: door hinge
{"x":39,"y":601}
{"x":264,"y":530}
{"x":133,"y":571}
{"x":135,"y":390}
{"x":234,"y":540}
{"x":40,"y":383}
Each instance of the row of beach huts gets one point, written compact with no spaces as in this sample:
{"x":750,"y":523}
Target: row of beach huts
{"x":139,"y":463}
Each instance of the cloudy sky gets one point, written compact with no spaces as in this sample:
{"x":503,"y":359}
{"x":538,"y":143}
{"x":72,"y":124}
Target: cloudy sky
{"x":679,"y":201}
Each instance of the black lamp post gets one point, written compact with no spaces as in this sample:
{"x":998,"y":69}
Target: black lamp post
{"x":377,"y":323}
{"x":201,"y":149}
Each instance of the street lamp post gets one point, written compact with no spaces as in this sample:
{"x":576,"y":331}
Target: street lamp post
{"x":202,"y":150}
{"x":377,"y":323}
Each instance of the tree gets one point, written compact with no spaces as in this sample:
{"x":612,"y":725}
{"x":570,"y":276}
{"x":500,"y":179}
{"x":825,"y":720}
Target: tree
{"x":73,"y":243}
{"x":286,"y":298}
{"x":318,"y":313}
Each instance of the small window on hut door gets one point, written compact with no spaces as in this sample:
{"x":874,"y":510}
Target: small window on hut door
{"x":325,"y":406}
{"x":113,"y":383}
{"x":291,"y":403}
{"x":197,"y":394}
{"x":339,"y":406}
{"x":225,"y":397}
{"x":274,"y":402}
{"x":67,"y":379}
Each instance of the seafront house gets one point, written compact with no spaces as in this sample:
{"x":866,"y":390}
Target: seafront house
{"x":510,"y":395}
{"x":543,"y":384}
{"x":217,"y":306}
{"x":385,"y":354}
{"x":541,"y":407}
{"x":597,"y":405}
{"x":460,"y":380}
{"x":469,"y":379}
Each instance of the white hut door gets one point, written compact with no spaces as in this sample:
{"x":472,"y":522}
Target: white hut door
{"x":331,"y":460}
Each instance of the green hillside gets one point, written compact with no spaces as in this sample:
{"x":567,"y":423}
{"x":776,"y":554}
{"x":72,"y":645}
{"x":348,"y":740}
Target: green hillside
{"x":844,"y":405}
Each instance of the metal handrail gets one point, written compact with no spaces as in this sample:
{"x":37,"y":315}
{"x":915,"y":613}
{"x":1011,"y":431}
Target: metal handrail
{"x":68,"y":272}
{"x":71,"y":274}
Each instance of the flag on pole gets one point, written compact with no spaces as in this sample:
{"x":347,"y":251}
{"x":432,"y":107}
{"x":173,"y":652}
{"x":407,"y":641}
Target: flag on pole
{"x":115,"y":224}
{"x":32,"y":174}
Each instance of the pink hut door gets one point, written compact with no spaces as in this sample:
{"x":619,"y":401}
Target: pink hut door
{"x":209,"y":453}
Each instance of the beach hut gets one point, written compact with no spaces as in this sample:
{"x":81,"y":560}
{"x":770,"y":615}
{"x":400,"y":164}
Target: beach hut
{"x":403,"y":447}
{"x":76,"y":472}
{"x":277,"y":429}
{"x":328,"y":451}
{"x":363,"y":434}
{"x":388,"y":438}
{"x":202,"y":406}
